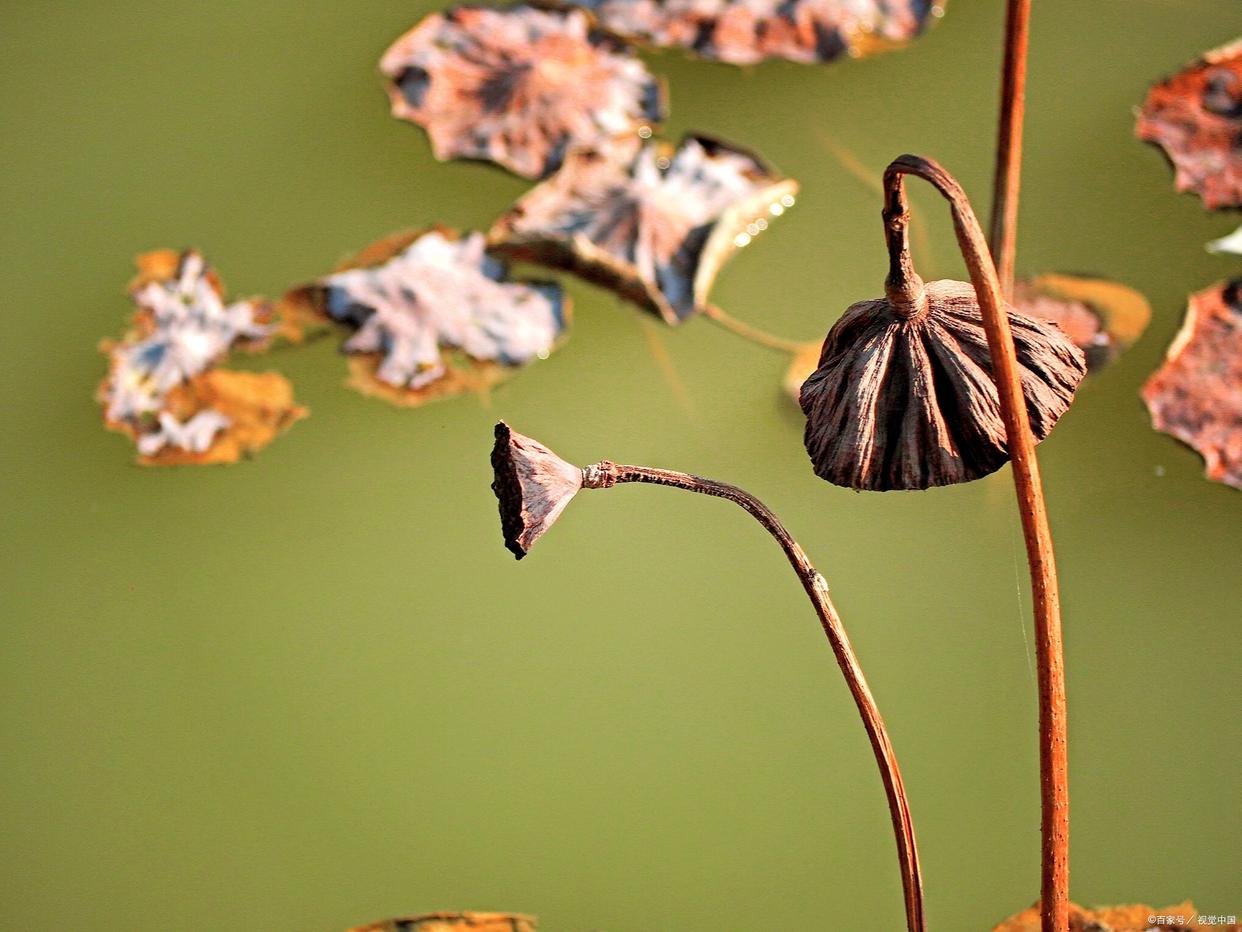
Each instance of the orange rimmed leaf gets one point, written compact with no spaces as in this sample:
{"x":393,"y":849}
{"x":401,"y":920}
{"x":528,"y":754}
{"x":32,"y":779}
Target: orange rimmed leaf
{"x":163,"y":389}
{"x":1101,"y":317}
{"x":433,"y":314}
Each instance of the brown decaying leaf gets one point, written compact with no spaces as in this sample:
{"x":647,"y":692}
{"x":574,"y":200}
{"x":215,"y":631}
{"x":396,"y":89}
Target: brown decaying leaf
{"x":1182,"y":917}
{"x":518,"y":86}
{"x":1196,"y":118}
{"x":163,"y":389}
{"x":655,"y":226}
{"x":453,"y":922}
{"x":903,"y":402}
{"x":434,"y":316}
{"x":1101,"y":317}
{"x":1196,"y":396}
{"x":743,"y":32}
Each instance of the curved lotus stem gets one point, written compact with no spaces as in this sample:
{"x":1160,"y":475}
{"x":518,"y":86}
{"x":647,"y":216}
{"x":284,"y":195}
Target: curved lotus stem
{"x":1021,"y":445}
{"x":605,"y":475}
{"x":1008,"y":174}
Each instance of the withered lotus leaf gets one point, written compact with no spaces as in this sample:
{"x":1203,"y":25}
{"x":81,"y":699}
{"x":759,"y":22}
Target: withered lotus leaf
{"x":1182,"y":917}
{"x":1101,"y":317}
{"x":434,"y":314}
{"x":743,"y":32}
{"x":163,"y":388}
{"x":655,"y":226}
{"x":454,"y":922}
{"x":904,"y":401}
{"x":1196,"y":118}
{"x":518,"y":86}
{"x":1196,"y":396}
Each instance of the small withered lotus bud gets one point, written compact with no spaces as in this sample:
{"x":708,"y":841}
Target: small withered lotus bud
{"x":904,"y":396}
{"x":533,"y":486}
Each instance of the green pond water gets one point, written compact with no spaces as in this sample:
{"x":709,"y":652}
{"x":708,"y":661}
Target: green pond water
{"x":313,"y":689}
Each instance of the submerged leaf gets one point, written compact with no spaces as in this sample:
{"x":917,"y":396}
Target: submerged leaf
{"x":804,"y":362}
{"x":163,"y":389}
{"x":743,"y":32}
{"x":434,"y":315}
{"x":1137,"y":918}
{"x":1196,"y":396}
{"x":454,"y":922}
{"x":518,"y":86}
{"x":1196,"y":118}
{"x":1101,"y":317}
{"x":655,"y":226}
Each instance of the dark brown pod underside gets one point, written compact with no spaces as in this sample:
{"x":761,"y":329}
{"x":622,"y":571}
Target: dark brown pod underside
{"x":911,"y":404}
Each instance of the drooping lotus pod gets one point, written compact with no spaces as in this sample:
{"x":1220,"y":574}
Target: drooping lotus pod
{"x":908,"y":402}
{"x":1196,"y":118}
{"x":518,"y":86}
{"x":904,"y":395}
{"x":743,"y":32}
{"x":656,"y":225}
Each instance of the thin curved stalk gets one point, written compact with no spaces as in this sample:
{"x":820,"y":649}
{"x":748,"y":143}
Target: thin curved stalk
{"x":606,"y":474}
{"x":1008,"y":175}
{"x":746,"y":331}
{"x":1053,"y":766}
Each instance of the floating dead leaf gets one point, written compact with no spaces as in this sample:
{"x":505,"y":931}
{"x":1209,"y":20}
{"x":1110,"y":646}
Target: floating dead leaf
{"x":804,"y":363}
{"x":743,"y":32}
{"x":1196,"y":396}
{"x":1137,"y":918}
{"x":518,"y":86}
{"x":434,"y":315}
{"x":163,"y":389}
{"x":1101,"y":317}
{"x":220,"y":417}
{"x":454,"y":922}
{"x":655,"y":226}
{"x":1196,"y":118}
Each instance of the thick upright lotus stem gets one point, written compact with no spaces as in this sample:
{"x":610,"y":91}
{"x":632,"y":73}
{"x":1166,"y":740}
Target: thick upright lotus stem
{"x":1007,"y":178}
{"x":1047,"y":609}
{"x":605,"y":475}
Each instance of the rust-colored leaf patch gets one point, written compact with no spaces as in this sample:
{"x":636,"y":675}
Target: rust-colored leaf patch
{"x":1196,"y":118}
{"x":163,"y":389}
{"x":655,"y":226}
{"x":1101,"y":317}
{"x":453,"y":922}
{"x":518,"y":86}
{"x":433,"y":315}
{"x":743,"y":32}
{"x":1196,"y":396}
{"x":1182,"y":917}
